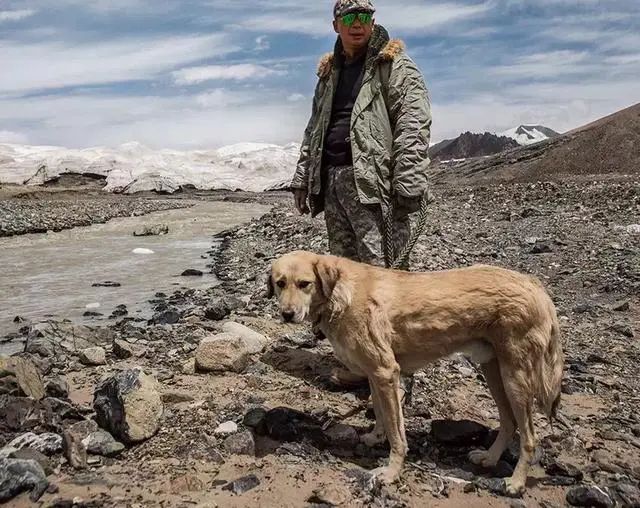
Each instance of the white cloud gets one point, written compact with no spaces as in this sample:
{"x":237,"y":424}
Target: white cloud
{"x":262,"y":43}
{"x":296,"y":97}
{"x":209,"y":120}
{"x":16,"y":15}
{"x":46,"y":65}
{"x":543,"y":65}
{"x":237,"y":72}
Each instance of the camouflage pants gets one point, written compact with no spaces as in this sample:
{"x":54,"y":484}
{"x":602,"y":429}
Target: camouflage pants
{"x":355,"y":229}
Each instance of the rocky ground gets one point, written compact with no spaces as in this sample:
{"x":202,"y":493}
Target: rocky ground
{"x":38,"y":212}
{"x":214,"y":402}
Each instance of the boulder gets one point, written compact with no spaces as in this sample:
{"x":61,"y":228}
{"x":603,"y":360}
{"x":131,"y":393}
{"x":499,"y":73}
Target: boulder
{"x":129,"y":406}
{"x":18,"y":476}
{"x":152,"y":230}
{"x":26,"y":374}
{"x":591,"y":496}
{"x":222,"y":353}
{"x":255,"y":342}
{"x":57,"y":387}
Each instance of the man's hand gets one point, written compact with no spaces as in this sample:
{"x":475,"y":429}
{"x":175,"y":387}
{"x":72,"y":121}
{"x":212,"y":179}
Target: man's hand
{"x":300,"y":199}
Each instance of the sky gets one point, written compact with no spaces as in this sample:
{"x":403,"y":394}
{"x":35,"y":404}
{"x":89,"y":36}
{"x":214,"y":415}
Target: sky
{"x":190,"y":74}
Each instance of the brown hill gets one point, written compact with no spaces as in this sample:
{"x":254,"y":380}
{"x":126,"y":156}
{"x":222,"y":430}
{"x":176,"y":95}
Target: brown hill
{"x":609,"y":147}
{"x":469,"y":144}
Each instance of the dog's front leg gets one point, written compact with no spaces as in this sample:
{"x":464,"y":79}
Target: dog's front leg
{"x":386,"y":384}
{"x":377,"y":435}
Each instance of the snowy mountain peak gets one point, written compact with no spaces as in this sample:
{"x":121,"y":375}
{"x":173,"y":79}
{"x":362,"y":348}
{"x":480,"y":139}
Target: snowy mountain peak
{"x":530,"y":134}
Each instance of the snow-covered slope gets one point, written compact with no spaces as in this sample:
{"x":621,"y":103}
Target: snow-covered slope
{"x":530,"y":134}
{"x":133,"y":167}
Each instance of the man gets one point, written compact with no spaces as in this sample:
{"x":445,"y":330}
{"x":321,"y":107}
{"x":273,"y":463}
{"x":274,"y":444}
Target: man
{"x":364,"y":153}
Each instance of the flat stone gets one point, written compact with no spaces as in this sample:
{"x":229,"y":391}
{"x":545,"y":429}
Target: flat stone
{"x":93,"y":356}
{"x":31,"y":454}
{"x":222,"y":353}
{"x":191,"y":272}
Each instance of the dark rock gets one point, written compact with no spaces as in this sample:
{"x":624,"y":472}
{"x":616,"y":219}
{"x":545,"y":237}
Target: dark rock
{"x":57,"y":387}
{"x":240,"y":444}
{"x":91,"y":313}
{"x":622,"y":306}
{"x":541,"y":248}
{"x":153,"y":230}
{"x":623,"y":329}
{"x":18,"y":476}
{"x":458,"y":433}
{"x":9,"y":386}
{"x":242,"y":485}
{"x":41,"y":346}
{"x":217,"y":311}
{"x":102,"y":443}
{"x":558,"y":468}
{"x":342,"y":435}
{"x":286,"y":424}
{"x":106,"y":284}
{"x":589,"y":496}
{"x":123,"y":349}
{"x":128,"y":405}
{"x":255,"y":419}
{"x":493,"y":485}
{"x":167,"y":317}
{"x":19,"y":413}
{"x":192,"y":273}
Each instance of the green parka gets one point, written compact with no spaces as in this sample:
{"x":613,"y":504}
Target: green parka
{"x":390,"y":126}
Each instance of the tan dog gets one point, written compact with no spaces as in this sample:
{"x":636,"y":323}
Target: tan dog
{"x":382,"y":322}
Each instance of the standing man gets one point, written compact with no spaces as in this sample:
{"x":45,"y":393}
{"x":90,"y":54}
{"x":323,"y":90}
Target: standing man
{"x":364,"y":152}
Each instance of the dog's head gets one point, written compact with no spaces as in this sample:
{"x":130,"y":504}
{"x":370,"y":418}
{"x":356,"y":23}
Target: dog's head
{"x":306,"y":284}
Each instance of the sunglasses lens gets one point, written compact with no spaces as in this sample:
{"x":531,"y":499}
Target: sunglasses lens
{"x":365,"y":18}
{"x":349,"y":19}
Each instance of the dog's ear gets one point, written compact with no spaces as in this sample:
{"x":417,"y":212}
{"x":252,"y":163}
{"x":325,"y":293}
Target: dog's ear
{"x":327,"y":276}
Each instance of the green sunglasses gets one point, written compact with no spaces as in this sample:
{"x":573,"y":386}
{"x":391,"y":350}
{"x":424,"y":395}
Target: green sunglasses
{"x":364,"y":17}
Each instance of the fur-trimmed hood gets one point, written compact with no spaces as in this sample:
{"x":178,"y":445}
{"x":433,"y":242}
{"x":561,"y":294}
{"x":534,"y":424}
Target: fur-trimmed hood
{"x":381,"y":48}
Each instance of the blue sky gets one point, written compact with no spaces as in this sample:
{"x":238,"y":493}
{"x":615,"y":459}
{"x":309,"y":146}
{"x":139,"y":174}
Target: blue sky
{"x":206,"y":73}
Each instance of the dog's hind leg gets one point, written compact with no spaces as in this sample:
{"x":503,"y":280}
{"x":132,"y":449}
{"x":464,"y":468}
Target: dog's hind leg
{"x":386,"y":382}
{"x":377,"y":435}
{"x":490,"y":457}
{"x":517,"y":386}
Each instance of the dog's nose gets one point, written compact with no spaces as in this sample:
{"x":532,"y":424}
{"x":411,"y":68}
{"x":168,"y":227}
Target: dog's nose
{"x":288,"y":316}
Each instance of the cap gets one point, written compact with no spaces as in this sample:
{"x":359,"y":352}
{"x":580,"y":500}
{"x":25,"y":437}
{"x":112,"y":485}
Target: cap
{"x":343,"y":7}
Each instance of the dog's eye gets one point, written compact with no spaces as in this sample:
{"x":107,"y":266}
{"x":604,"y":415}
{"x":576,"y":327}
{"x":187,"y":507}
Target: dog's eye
{"x":281,"y":284}
{"x":304,"y":284}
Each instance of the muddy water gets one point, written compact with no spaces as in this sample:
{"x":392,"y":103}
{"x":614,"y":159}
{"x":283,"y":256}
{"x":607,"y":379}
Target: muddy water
{"x":52,"y":275}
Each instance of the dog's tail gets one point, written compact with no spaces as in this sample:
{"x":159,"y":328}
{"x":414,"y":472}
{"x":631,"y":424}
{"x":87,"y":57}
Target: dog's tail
{"x":551,"y":368}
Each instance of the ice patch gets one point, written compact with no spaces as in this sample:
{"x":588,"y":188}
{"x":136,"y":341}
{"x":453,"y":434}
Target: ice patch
{"x":143,"y":251}
{"x":92,"y":306}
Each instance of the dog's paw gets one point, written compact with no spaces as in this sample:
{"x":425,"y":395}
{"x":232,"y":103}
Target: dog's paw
{"x":385,"y":475}
{"x":373,"y":439}
{"x":482,"y":458}
{"x":513,"y":489}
